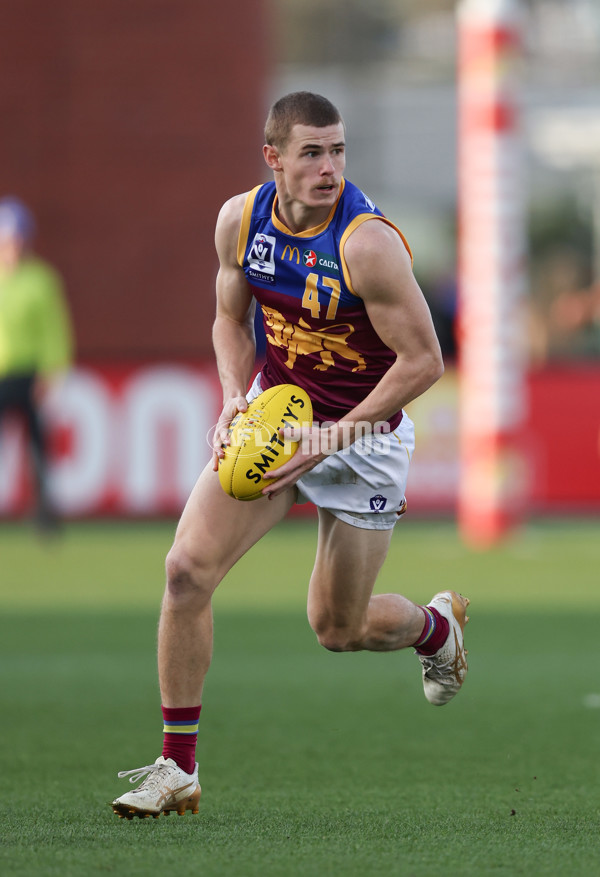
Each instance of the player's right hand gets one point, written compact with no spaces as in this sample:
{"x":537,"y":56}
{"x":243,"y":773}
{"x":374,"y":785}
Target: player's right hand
{"x":221,"y":437}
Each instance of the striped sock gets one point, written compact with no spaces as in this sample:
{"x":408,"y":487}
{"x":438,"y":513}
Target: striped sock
{"x":181,"y":734}
{"x":435,"y":632}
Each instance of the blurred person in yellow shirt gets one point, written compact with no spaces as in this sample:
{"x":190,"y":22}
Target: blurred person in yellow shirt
{"x":36,"y":339}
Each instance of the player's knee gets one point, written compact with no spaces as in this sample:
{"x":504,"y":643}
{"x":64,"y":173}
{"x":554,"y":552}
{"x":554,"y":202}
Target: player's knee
{"x":338,"y":638}
{"x":187,"y":578}
{"x":340,"y":641}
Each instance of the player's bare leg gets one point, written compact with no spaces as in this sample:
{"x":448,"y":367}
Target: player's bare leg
{"x":346,"y":616}
{"x":341,"y":607}
{"x":213,"y":533}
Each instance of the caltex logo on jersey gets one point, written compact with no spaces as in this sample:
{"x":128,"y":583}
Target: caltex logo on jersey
{"x":323,"y":261}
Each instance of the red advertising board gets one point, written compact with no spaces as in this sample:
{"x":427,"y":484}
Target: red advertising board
{"x":558,"y":448}
{"x":129,"y":441}
{"x":564,"y":439}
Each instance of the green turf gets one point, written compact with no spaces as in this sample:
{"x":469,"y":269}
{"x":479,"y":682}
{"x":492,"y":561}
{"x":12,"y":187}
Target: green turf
{"x":311,"y":763}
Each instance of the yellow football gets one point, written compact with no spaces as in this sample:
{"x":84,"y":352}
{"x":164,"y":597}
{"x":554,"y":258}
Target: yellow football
{"x":255,"y":444}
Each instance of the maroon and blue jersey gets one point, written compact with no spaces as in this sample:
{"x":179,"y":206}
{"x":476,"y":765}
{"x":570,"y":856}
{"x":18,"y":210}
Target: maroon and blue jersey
{"x":318,"y":332}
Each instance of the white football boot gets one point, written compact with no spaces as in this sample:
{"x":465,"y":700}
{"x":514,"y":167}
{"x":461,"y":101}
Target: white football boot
{"x":166,"y":787}
{"x":445,"y":671}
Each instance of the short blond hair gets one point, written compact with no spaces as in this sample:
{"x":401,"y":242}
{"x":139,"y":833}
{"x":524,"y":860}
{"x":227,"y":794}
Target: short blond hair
{"x":298,"y":108}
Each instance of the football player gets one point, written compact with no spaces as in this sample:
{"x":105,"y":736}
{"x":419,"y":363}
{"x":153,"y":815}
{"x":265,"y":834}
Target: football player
{"x":345,"y":320}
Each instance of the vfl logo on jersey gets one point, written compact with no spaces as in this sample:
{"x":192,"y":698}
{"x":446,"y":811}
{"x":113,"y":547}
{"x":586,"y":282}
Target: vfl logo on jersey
{"x":261,"y":258}
{"x":324,"y":261}
{"x":378,"y":503}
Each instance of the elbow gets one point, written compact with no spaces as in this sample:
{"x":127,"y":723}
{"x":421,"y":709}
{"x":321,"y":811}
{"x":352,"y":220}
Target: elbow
{"x":434,"y":368}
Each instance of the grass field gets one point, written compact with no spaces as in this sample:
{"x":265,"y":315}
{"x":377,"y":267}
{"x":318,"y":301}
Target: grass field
{"x":311,"y":763}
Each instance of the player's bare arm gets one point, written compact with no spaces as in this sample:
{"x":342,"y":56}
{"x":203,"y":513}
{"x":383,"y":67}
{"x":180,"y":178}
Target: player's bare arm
{"x":233,"y":329}
{"x":381,"y":274}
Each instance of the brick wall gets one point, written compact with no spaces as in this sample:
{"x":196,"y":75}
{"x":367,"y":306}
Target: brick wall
{"x":125,"y":125}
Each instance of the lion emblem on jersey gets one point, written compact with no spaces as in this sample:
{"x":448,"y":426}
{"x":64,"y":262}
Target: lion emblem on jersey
{"x":300,"y":339}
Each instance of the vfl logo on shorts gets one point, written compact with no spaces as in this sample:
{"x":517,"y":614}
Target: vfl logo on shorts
{"x":378,"y":503}
{"x":261,"y":258}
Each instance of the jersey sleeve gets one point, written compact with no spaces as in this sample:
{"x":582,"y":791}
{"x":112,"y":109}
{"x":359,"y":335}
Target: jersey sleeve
{"x":56,"y":341}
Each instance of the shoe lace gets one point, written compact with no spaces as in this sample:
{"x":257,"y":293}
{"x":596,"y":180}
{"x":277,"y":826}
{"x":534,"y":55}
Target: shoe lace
{"x":139,"y":772}
{"x":444,"y":670}
{"x":435,"y":667}
{"x":429,"y":662}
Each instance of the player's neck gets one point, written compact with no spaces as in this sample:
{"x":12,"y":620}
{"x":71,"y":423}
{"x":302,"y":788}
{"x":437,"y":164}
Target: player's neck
{"x":298,"y":217}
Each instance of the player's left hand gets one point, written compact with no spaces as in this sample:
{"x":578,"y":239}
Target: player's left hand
{"x":312,"y":448}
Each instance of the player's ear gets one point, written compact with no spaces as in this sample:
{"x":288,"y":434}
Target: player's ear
{"x":272,"y":157}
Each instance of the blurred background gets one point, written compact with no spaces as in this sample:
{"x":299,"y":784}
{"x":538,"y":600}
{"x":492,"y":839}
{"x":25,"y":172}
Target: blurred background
{"x":126,"y":125}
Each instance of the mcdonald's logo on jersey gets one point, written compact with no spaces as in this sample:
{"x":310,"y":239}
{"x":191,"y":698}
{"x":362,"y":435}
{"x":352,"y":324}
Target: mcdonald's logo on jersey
{"x":291,"y":252}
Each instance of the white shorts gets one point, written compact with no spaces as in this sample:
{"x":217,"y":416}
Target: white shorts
{"x":363,"y":484}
